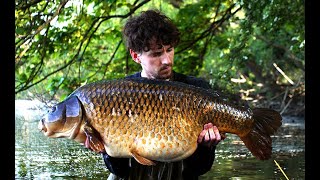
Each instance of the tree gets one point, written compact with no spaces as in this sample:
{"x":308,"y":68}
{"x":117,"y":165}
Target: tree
{"x":237,"y":45}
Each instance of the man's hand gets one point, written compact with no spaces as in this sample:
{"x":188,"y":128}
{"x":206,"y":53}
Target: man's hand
{"x":210,"y":135}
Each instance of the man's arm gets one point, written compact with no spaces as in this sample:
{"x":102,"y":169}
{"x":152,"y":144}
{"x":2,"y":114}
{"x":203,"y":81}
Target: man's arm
{"x":202,"y":159}
{"x":199,"y":162}
{"x":117,"y":166}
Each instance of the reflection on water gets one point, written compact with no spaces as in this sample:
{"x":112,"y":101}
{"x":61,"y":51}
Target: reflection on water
{"x":234,"y":161}
{"x":40,"y":157}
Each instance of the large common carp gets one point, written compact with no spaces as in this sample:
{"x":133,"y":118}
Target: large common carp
{"x":155,"y":120}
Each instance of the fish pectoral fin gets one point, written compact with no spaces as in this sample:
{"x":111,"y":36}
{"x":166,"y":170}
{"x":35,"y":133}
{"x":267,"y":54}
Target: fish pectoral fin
{"x":93,"y":140}
{"x":142,"y":160}
{"x":94,"y":144}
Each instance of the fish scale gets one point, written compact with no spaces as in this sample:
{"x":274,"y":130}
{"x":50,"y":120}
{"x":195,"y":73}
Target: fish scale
{"x":147,"y":96}
{"x":155,"y":120}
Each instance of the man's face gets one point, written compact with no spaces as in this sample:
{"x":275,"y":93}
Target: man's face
{"x":157,"y":62}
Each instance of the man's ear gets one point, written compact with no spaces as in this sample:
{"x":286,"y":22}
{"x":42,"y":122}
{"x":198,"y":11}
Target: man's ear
{"x":134,"y":56}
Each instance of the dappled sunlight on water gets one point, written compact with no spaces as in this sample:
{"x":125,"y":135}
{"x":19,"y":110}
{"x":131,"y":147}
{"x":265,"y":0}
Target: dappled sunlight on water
{"x":40,"y":157}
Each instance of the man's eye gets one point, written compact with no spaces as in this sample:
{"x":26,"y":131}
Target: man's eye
{"x":157,"y":54}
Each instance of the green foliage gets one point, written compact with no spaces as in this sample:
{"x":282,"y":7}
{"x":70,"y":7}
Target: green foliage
{"x":61,"y":45}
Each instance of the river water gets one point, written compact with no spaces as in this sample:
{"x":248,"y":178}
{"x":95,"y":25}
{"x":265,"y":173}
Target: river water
{"x":40,"y":157}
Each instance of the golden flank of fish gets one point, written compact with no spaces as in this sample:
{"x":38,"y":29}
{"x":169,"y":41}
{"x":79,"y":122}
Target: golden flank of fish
{"x":155,"y":120}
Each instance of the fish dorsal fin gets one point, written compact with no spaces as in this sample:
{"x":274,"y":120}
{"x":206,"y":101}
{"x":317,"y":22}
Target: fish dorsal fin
{"x":142,"y":160}
{"x":93,"y":140}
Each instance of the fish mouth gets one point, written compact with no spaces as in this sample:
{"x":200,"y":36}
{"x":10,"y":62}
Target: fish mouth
{"x":48,"y":131}
{"x":42,"y":127}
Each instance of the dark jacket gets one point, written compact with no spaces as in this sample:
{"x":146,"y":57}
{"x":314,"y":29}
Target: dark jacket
{"x":197,"y":164}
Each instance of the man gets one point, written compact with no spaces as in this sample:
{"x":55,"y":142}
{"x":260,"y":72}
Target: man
{"x":150,"y":39}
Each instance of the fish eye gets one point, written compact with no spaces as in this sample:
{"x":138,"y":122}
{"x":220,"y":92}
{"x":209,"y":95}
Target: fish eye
{"x":52,"y":109}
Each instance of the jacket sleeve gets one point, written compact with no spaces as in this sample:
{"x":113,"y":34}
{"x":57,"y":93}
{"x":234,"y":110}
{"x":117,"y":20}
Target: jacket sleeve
{"x":199,"y":162}
{"x":117,"y":166}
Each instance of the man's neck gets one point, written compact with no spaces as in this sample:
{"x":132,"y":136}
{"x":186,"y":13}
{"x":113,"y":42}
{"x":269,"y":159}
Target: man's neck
{"x":145,"y":75}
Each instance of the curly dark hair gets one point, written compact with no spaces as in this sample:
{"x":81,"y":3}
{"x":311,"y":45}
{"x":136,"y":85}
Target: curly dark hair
{"x":152,"y":24}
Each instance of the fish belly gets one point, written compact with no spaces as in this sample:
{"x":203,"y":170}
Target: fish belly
{"x":155,"y":142}
{"x":156,"y":119}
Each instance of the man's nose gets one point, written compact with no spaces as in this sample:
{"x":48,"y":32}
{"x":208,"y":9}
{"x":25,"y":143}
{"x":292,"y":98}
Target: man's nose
{"x":165,"y":59}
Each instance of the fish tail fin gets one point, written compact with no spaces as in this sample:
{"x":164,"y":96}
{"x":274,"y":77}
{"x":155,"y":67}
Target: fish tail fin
{"x":258,"y":141}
